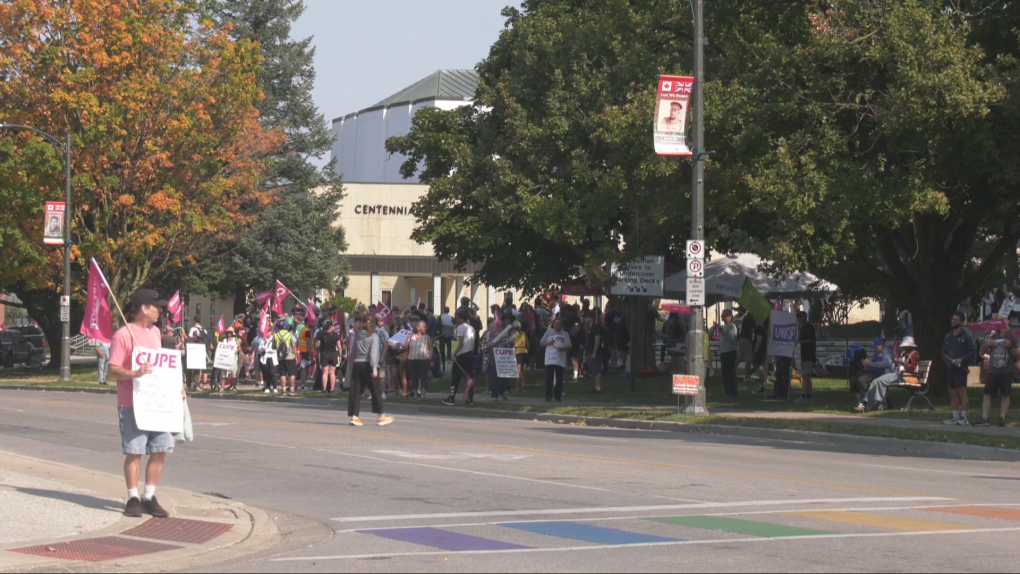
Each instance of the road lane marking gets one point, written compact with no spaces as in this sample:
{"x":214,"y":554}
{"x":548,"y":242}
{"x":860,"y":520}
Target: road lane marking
{"x":451,"y":456}
{"x":564,"y":511}
{"x":587,"y":533}
{"x":981,"y":512}
{"x":443,"y":539}
{"x":879,"y":521}
{"x":737,"y":526}
{"x":728,"y":541}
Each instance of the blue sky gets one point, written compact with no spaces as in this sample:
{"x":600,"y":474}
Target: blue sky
{"x":366,"y":51}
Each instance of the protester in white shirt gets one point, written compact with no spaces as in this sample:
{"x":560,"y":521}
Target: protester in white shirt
{"x":556,"y":342}
{"x":463,"y":362}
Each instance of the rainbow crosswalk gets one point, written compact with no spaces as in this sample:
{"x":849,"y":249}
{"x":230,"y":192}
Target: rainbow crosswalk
{"x":665,"y":530}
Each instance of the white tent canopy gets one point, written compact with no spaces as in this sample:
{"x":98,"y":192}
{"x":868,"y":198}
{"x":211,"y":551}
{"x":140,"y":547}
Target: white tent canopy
{"x":724,"y":278}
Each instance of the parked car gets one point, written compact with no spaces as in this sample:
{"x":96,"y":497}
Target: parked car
{"x":16,"y":349}
{"x":33,"y":334}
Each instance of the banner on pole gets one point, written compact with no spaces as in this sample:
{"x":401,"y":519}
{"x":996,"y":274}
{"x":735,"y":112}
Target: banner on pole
{"x":264,"y":320}
{"x":196,"y":357}
{"x":506,"y":363}
{"x":752,"y":300}
{"x":159,"y":406}
{"x":53,"y":226}
{"x":279,"y":297}
{"x":671,"y":115}
{"x":98,"y":322}
{"x":782,"y":334}
{"x":382,"y":311}
{"x":221,"y":326}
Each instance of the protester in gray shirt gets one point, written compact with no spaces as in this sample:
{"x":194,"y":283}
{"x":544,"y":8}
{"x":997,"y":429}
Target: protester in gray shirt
{"x":728,"y":353}
{"x":366,"y":368}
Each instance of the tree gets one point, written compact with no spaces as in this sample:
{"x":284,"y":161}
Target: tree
{"x":296,"y":239}
{"x":166,"y":144}
{"x":873,"y":141}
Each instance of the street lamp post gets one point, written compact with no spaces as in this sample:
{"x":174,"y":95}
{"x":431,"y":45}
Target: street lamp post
{"x":65,"y":344}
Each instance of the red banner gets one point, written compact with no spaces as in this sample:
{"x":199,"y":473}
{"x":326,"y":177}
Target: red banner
{"x":670,"y":134}
{"x":179,"y":314}
{"x":174,"y":304}
{"x":279,"y":297}
{"x":221,"y":326}
{"x":264,"y":320}
{"x":98,"y":323}
{"x":310,"y":311}
{"x":383,"y":312}
{"x":3,"y":327}
{"x":263,"y":296}
{"x":53,"y":226}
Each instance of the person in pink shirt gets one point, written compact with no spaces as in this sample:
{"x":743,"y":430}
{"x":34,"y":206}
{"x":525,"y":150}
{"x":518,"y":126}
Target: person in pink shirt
{"x":143,"y":313}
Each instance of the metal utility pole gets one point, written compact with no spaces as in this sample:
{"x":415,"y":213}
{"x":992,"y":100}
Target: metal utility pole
{"x":696,"y":347}
{"x":65,"y":344}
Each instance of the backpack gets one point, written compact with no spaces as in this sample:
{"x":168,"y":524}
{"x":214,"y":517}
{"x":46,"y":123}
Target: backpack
{"x":283,"y":345}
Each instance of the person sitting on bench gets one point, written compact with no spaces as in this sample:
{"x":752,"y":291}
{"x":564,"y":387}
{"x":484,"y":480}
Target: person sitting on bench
{"x":880,"y":364}
{"x":906,"y":372}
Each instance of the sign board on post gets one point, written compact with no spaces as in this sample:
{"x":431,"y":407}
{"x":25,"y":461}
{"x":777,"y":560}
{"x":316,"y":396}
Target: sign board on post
{"x":226,"y":356}
{"x":695,"y":249}
{"x":65,"y":314}
{"x":695,"y":267}
{"x":642,"y":277}
{"x":65,"y":301}
{"x":695,"y":291}
{"x":53,"y":226}
{"x":686,"y":385}
{"x":782,"y":334}
{"x":159,"y":406}
{"x":506,"y":363}
{"x":196,"y":357}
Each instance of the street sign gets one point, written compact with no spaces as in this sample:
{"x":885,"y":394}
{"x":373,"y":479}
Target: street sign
{"x":695,"y":249}
{"x":65,"y":301}
{"x":65,"y":314}
{"x":695,"y":291}
{"x":642,"y":277}
{"x":695,"y":267}
{"x":686,"y":385}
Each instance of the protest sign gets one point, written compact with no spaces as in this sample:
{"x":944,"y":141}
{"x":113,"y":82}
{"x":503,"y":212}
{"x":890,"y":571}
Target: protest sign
{"x":686,"y":385}
{"x":400,"y":339}
{"x":382,"y":311}
{"x":226,"y":356}
{"x":782,"y":334}
{"x":556,"y":352}
{"x":158,"y":404}
{"x":196,"y":357}
{"x":1007,"y":306}
{"x":506,"y":363}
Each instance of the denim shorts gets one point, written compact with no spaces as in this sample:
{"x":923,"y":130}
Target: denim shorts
{"x":139,"y":442}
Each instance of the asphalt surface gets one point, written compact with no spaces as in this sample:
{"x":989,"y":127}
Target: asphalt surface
{"x":440,"y":494}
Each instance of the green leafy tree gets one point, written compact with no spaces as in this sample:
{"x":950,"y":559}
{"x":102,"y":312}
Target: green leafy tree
{"x":295,"y":239}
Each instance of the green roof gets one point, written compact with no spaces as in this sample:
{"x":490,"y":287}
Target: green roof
{"x":442,"y":85}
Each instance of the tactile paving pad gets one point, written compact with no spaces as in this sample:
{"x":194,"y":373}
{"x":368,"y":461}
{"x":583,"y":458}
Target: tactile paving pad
{"x":96,"y":549}
{"x":179,"y":530}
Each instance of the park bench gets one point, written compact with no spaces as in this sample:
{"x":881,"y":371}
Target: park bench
{"x":918,"y":384}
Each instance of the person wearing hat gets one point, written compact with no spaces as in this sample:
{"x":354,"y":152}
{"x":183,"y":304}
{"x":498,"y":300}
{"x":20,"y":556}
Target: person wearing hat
{"x":882,"y":363}
{"x":230,"y":338}
{"x":143,"y":313}
{"x":906,"y":367}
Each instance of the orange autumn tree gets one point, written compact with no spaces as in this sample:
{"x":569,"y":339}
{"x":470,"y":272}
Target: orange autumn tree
{"x":166,"y":146}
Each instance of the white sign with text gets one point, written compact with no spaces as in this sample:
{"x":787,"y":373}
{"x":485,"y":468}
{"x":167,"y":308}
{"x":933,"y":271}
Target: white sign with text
{"x":158,"y":403}
{"x":642,"y":277}
{"x":506,"y":363}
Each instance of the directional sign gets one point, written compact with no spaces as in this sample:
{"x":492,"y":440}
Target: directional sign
{"x":65,"y":314}
{"x":695,"y":267}
{"x":695,"y":249}
{"x":642,"y":277}
{"x":695,"y":291}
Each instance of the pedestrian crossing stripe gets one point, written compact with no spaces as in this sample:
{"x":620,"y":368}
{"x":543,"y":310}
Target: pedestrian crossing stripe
{"x":980,"y":512}
{"x":879,"y":521}
{"x":737,"y":526}
{"x":443,"y":539}
{"x":588,"y":533}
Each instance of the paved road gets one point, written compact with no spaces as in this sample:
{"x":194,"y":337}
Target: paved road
{"x":449,"y":494}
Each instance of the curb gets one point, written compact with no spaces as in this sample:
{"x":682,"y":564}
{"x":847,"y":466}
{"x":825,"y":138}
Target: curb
{"x":854,"y":442}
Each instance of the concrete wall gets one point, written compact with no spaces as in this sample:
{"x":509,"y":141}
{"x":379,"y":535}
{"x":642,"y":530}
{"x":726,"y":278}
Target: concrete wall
{"x":378,"y":220}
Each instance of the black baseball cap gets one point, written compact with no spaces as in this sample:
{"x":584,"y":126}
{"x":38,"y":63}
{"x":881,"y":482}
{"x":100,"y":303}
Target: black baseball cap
{"x":148,"y":297}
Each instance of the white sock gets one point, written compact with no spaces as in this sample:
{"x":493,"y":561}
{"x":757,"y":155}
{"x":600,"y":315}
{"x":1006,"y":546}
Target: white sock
{"x":132,"y":493}
{"x":575,"y":375}
{"x":956,"y":414}
{"x":150,"y":491}
{"x":964,"y":413}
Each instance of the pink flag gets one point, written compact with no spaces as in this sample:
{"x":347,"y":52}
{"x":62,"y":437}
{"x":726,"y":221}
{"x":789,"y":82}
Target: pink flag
{"x":98,"y":323}
{"x":3,"y":327}
{"x":221,"y":326}
{"x":179,"y":314}
{"x":280,"y":296}
{"x":310,"y":311}
{"x":994,"y":324}
{"x":263,"y":296}
{"x":383,"y":312}
{"x":174,"y":304}
{"x":264,"y":320}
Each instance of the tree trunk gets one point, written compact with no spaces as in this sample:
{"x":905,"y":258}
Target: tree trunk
{"x":931,"y":322}
{"x":240,"y":298}
{"x":635,"y":312}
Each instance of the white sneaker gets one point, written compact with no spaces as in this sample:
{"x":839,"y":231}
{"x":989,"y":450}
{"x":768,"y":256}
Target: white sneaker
{"x":384,"y":396}
{"x":963,"y":422}
{"x":356,"y":422}
{"x":952,"y":421}
{"x":268,"y":391}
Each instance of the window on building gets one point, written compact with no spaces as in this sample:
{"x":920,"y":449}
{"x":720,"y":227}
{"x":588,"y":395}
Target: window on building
{"x":387,"y":298}
{"x":428,"y":300}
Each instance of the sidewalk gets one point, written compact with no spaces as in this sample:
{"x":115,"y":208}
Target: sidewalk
{"x":59,"y":517}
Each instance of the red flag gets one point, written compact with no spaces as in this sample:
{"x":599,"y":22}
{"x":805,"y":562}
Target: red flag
{"x":3,"y":327}
{"x":279,"y":297}
{"x":179,"y":314}
{"x":264,"y":320}
{"x":221,"y":326}
{"x":97,"y":324}
{"x":310,"y":311}
{"x":383,"y":312}
{"x":168,"y":321}
{"x":174,"y":304}
{"x":263,"y":296}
